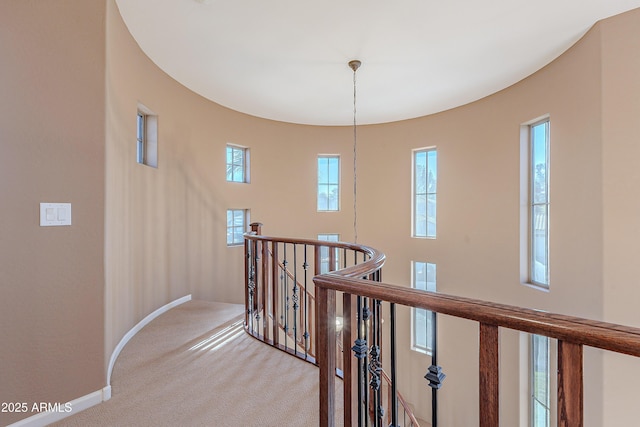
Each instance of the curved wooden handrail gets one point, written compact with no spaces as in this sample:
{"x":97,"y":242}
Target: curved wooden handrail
{"x":603,"y":335}
{"x":375,"y":262}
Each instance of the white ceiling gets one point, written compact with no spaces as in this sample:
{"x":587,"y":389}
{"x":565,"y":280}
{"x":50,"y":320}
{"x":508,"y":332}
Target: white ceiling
{"x":286,"y":60}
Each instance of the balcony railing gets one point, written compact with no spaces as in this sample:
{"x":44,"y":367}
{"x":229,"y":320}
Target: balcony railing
{"x":293,"y":305}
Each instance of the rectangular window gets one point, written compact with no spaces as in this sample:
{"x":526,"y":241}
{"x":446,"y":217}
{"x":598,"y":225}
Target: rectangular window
{"x":539,"y":380}
{"x":423,"y":276}
{"x":324,"y":253}
{"x":147,"y":137}
{"x":141,"y":137}
{"x":425,"y":185}
{"x":237,"y":224}
{"x":328,"y":183}
{"x":237,"y":164}
{"x":539,"y":203}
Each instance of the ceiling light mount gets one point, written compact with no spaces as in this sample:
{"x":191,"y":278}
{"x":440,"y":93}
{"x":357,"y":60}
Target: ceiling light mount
{"x":354,"y":65}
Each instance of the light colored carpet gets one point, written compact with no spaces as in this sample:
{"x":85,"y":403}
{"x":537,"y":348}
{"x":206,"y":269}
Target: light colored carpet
{"x":195,"y":366}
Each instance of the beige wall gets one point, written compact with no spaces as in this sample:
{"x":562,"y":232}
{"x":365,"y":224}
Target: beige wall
{"x":166,"y":227}
{"x":621,"y":205}
{"x":161,"y":233}
{"x":51,"y":150}
{"x":478,"y":240}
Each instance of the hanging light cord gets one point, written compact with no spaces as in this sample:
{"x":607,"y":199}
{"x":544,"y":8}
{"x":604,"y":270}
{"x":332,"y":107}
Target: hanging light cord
{"x":355,"y":64}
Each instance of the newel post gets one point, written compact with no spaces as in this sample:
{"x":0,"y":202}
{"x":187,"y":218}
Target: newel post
{"x":326,"y":351}
{"x":256,"y":227}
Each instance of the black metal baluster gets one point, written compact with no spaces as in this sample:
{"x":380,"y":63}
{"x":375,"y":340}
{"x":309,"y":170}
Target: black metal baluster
{"x":360,"y":352}
{"x":256,"y":279}
{"x":375,"y":366}
{"x":366,"y":315}
{"x":434,"y":375}
{"x":305,"y":266}
{"x":251,"y":285}
{"x":285,"y":286}
{"x":394,"y":386}
{"x":295,"y":299}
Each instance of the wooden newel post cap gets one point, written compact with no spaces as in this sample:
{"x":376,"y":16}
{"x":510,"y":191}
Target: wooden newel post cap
{"x":256,"y":227}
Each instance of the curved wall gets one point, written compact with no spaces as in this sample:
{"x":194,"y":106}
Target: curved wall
{"x":166,"y":226}
{"x":52,"y":110}
{"x":143,"y":237}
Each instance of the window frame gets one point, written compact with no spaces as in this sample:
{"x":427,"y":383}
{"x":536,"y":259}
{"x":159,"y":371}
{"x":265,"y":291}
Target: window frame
{"x":429,"y":335}
{"x":232,"y":230}
{"x":430,"y":197}
{"x":534,"y":223}
{"x":325,"y":254}
{"x":533,"y":383}
{"x":329,"y":183}
{"x":146,"y":137}
{"x":243,"y":165}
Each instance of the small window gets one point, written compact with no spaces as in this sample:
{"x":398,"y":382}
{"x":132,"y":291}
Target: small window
{"x":328,"y":183}
{"x":534,"y":203}
{"x":423,"y":276}
{"x":324,"y":253}
{"x":237,"y":164}
{"x":237,"y":224}
{"x":539,"y":380}
{"x":147,"y":137}
{"x":425,"y":186}
{"x":539,"y":204}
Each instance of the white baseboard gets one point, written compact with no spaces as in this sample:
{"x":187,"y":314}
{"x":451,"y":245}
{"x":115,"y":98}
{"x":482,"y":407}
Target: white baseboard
{"x":64,"y":410}
{"x":125,"y":339}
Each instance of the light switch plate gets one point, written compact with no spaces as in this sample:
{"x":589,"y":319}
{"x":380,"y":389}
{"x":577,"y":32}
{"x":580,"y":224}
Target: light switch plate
{"x":54,"y":214}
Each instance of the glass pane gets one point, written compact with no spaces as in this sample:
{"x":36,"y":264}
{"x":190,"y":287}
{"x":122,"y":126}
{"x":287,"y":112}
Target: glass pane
{"x":238,"y":156}
{"x":229,"y":155}
{"x":238,"y":218}
{"x":333,"y":170}
{"x":420,"y":216}
{"x":432,"y":168}
{"x":540,"y":245}
{"x":237,"y":174}
{"x":420,"y":170}
{"x":229,"y":218}
{"x":540,"y":380}
{"x":539,"y":146}
{"x":323,"y":170}
{"x":420,"y":275}
{"x":420,"y":328}
{"x":430,"y":277}
{"x":333,"y":197}
{"x":323,"y":197}
{"x":431,"y":215}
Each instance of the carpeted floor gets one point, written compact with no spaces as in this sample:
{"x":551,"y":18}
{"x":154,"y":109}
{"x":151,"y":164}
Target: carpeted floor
{"x":195,"y":366}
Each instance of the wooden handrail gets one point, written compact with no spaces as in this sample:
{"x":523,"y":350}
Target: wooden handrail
{"x":603,"y":335}
{"x":571,"y":332}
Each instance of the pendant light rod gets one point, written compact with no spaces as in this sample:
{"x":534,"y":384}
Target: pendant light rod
{"x":354,"y":65}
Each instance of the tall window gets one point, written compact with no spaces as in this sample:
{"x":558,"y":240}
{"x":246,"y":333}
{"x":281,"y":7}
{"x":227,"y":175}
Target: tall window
{"x":328,"y":183}
{"x":324,"y":253}
{"x":539,"y":204}
{"x":141,"y":137}
{"x":423,"y":277}
{"x":237,"y":164}
{"x":540,"y":389}
{"x":425,"y":185}
{"x":237,"y":223}
{"x":147,"y":137}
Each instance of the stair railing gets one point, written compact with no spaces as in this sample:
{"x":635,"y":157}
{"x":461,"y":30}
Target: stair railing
{"x":282,"y":308}
{"x":572,"y":333}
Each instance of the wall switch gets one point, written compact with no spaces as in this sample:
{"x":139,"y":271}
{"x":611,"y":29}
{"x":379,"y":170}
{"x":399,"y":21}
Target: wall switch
{"x":53,"y":214}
